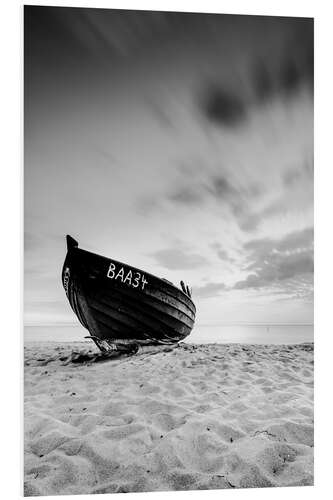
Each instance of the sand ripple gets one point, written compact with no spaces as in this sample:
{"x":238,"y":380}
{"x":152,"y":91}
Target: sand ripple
{"x":195,"y":417}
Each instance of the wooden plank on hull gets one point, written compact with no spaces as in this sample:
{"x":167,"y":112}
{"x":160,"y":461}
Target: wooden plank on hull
{"x":130,"y":321}
{"x":143,"y":300}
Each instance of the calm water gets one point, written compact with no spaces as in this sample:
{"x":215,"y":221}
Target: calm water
{"x":251,"y":334}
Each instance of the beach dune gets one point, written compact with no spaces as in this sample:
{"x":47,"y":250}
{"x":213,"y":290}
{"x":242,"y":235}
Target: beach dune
{"x":190,"y":417}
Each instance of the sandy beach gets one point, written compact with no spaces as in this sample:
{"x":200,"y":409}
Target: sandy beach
{"x":193,"y":417}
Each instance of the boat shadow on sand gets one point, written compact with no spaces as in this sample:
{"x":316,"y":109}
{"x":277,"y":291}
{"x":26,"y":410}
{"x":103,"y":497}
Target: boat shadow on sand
{"x":88,"y":355}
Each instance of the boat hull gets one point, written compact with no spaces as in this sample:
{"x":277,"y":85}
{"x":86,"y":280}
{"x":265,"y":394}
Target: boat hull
{"x":124,"y":305}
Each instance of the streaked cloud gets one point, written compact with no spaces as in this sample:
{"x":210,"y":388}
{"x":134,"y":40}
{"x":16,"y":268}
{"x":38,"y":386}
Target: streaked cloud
{"x":272,"y":262}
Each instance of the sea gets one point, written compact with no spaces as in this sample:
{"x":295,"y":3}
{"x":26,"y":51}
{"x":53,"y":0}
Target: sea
{"x":201,"y":334}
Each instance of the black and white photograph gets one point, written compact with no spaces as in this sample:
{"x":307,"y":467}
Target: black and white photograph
{"x":168,"y":251}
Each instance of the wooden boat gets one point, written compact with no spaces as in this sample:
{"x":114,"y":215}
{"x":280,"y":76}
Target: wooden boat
{"x":123,"y":307}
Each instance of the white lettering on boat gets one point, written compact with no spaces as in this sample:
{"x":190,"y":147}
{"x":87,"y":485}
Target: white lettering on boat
{"x":128,"y":277}
{"x":66,"y":279}
{"x":137,"y":280}
{"x":120,"y":274}
{"x":144,"y":282}
{"x":132,"y":278}
{"x":110,"y":273}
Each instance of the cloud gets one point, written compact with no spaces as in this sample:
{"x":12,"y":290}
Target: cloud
{"x":262,"y":81}
{"x":294,"y":174}
{"x":186,"y":196}
{"x":208,"y":290}
{"x":297,"y":194}
{"x":238,"y":199}
{"x":197,"y":191}
{"x":176,"y":258}
{"x":192,"y":193}
{"x":291,"y":176}
{"x":290,"y":76}
{"x":284,"y":75}
{"x":284,"y":264}
{"x":223,"y":107}
{"x":221,"y":252}
{"x":250,"y":221}
{"x":217,"y":187}
{"x":292,"y":241}
{"x":274,"y":77}
{"x":220,"y":187}
{"x":297,"y":67}
{"x":277,"y":268}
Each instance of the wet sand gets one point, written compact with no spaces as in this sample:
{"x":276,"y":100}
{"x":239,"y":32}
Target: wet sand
{"x":193,"y":417}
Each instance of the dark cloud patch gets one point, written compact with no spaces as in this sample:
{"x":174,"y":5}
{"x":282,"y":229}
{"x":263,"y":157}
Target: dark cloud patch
{"x":220,"y":187}
{"x":177,"y":258}
{"x":249,"y":222}
{"x":217,"y":187}
{"x":291,"y":176}
{"x":186,"y":196}
{"x":273,"y":262}
{"x":294,"y":67}
{"x":263,"y":83}
{"x":221,"y":252}
{"x":304,"y":42}
{"x":195,"y":191}
{"x":284,"y":80}
{"x":290,"y":76}
{"x":226,"y":193}
{"x":223,"y":107}
{"x":208,"y":290}
{"x":281,"y":75}
{"x":238,"y":199}
{"x":277,"y":268}
{"x":292,"y":241}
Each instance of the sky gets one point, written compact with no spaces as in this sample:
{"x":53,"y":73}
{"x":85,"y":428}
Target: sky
{"x":178,"y":143}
